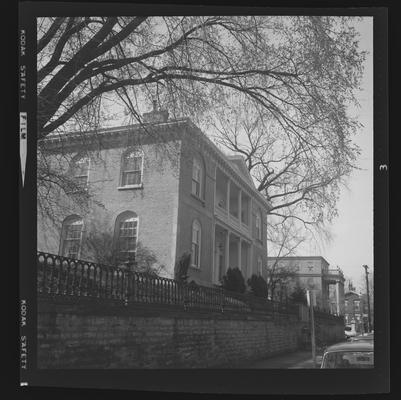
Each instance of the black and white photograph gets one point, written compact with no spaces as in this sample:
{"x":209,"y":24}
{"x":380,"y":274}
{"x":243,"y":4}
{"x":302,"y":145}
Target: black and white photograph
{"x":204,"y":191}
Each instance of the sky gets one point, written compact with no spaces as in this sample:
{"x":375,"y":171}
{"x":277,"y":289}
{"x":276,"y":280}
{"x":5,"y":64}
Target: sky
{"x":352,"y":230}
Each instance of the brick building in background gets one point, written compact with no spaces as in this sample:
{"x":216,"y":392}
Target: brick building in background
{"x":356,"y":311}
{"x":162,"y":184}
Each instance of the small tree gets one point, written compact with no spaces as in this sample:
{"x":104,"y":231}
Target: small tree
{"x":182,"y":266}
{"x":234,"y":281}
{"x":99,"y":246}
{"x":258,"y":286}
{"x":298,"y":295}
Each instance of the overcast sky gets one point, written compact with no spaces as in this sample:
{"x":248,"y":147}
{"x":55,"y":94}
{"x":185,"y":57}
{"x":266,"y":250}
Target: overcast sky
{"x":352,"y":244}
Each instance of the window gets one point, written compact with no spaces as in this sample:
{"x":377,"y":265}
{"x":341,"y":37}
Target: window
{"x":72,"y":237}
{"x":127,"y":235}
{"x":197,"y":178}
{"x":260,"y":266}
{"x":258,"y":226}
{"x":80,"y":171}
{"x":356,"y":305}
{"x":196,"y":243}
{"x":346,"y":303}
{"x":132,"y":168}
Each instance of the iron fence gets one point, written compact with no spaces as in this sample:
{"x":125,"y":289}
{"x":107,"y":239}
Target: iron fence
{"x":62,"y":276}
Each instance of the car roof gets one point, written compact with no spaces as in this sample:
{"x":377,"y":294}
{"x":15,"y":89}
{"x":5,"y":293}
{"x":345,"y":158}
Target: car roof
{"x":358,"y":345}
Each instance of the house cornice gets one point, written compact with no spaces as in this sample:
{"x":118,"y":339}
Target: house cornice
{"x":299,"y":258}
{"x":54,"y":141}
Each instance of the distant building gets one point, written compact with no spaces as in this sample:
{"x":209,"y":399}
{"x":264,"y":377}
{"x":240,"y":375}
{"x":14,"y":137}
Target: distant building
{"x":356,"y":311}
{"x":203,"y":202}
{"x":312,"y":273}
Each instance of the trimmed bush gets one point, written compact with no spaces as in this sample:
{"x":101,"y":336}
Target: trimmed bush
{"x":298,"y":295}
{"x":234,"y":281}
{"x":258,"y":286}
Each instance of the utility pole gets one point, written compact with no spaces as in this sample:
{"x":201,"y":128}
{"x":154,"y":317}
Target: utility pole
{"x":367,"y":295}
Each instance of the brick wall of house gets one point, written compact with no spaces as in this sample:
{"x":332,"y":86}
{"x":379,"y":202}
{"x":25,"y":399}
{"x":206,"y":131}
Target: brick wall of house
{"x":155,"y":204}
{"x":106,"y":336}
{"x":191,"y":208}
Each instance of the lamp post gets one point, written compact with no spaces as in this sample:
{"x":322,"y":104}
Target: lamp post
{"x":367,"y":294}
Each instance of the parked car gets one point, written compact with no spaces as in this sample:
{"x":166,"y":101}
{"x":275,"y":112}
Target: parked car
{"x":357,"y":354}
{"x":364,"y":337}
{"x":349,"y":331}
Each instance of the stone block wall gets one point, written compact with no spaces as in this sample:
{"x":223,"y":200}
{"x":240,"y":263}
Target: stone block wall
{"x":100,"y":336}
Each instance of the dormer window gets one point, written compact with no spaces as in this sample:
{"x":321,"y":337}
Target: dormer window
{"x":132,"y":169}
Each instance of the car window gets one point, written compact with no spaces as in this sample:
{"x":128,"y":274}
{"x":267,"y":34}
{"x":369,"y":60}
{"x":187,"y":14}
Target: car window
{"x":348,"y":328}
{"x":348,"y":359}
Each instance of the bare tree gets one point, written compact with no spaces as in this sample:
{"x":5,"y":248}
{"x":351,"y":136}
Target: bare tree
{"x":282,"y":83}
{"x":99,"y":246}
{"x":300,"y":70}
{"x":300,"y":176}
{"x":283,"y":243}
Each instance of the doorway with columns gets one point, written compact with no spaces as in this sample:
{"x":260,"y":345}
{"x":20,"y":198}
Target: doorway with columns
{"x":230,"y":251}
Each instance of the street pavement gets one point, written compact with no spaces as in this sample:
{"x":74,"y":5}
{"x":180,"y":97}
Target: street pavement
{"x":295,"y":360}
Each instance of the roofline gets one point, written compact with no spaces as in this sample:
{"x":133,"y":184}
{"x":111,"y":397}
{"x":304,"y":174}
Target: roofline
{"x":180,"y":121}
{"x":299,"y":257}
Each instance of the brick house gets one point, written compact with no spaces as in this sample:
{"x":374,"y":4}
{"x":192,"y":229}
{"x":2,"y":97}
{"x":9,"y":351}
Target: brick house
{"x":312,"y":272}
{"x":356,"y":313}
{"x":162,"y":184}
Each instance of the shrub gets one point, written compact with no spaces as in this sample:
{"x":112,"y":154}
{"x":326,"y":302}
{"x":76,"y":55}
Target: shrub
{"x":234,"y":281}
{"x":258,"y":286}
{"x":299,"y":295}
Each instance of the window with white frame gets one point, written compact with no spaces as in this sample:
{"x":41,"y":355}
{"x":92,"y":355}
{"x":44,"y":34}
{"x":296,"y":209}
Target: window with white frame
{"x":258,"y":224}
{"x":132,"y":168}
{"x":127,"y":236}
{"x":72,"y":237}
{"x":196,"y":243}
{"x":357,"y":304}
{"x":197,"y":175}
{"x":260,"y":266}
{"x":80,"y":171}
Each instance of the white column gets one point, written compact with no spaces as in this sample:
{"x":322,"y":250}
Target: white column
{"x":240,"y":205}
{"x":240,"y":266}
{"x":250,"y":222}
{"x":338,"y":297}
{"x":227,"y":252}
{"x":228,"y":196}
{"x":215,"y":278}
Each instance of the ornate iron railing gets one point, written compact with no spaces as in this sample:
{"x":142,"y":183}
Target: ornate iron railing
{"x":61,"y":276}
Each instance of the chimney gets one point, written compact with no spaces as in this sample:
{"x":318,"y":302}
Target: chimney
{"x":155,"y":116}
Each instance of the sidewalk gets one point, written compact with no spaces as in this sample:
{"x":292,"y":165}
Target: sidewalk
{"x":295,"y":360}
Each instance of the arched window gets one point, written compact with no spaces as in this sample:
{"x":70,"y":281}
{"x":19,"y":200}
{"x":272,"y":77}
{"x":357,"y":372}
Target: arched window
{"x":260,"y":266}
{"x":132,"y":168}
{"x":196,"y":243}
{"x":80,"y":171}
{"x":72,"y":236}
{"x":126,"y":235}
{"x":197,"y":177}
{"x":258,"y":225}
